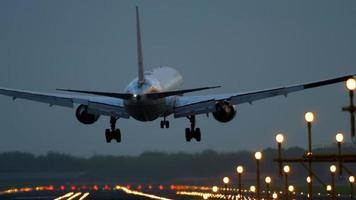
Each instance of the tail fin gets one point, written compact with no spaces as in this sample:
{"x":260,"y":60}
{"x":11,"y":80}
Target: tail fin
{"x":141,"y":78}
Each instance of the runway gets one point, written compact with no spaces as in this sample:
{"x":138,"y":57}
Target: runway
{"x":105,"y":192}
{"x":127,"y":192}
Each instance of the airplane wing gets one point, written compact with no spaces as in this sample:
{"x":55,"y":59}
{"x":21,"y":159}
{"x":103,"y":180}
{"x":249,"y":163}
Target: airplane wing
{"x":194,"y":105}
{"x":96,"y":104}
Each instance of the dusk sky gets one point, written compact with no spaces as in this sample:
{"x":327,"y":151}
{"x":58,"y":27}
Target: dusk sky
{"x":240,"y":45}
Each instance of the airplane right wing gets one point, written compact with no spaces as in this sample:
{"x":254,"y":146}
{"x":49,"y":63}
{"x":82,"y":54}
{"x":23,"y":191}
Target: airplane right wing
{"x":194,"y":105}
{"x":96,"y":104}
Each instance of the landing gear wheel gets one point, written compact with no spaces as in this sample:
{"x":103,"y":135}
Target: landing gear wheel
{"x":188,"y":134}
{"x":197,"y":134}
{"x":167,"y":124}
{"x":108,"y":135}
{"x":113,"y":133}
{"x":164,"y":123}
{"x":117,"y":135}
{"x":192,"y":132}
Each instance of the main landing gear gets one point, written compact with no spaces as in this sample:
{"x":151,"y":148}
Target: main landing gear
{"x":192,"y":132}
{"x":164,"y":123}
{"x":113,"y":133}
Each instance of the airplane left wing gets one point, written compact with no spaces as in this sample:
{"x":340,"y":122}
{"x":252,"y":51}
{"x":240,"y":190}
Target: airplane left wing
{"x":96,"y":104}
{"x":194,"y":105}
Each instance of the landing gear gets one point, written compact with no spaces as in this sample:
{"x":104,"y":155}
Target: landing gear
{"x":113,"y":133}
{"x":164,"y":123}
{"x":192,"y":132}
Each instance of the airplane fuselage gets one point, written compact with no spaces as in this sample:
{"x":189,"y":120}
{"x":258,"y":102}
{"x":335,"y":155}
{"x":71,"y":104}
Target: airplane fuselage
{"x":160,"y":79}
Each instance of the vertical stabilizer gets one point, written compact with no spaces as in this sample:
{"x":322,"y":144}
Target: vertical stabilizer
{"x":141,"y":78}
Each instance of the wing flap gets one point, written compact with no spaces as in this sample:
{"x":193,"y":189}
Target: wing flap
{"x":106,"y":109}
{"x":195,"y":109}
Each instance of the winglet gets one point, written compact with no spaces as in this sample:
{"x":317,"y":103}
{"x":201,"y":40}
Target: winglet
{"x":141,"y":78}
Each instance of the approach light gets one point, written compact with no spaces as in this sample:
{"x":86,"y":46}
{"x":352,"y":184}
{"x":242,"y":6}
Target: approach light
{"x":309,"y":117}
{"x":351,"y":84}
{"x":328,"y":188}
{"x":332,"y":168}
{"x":279,"y":138}
{"x":286,"y":169}
{"x":308,"y":179}
{"x":253,"y":188}
{"x":274,"y":195}
{"x":258,"y":155}
{"x":339,"y":137}
{"x":268,"y":180}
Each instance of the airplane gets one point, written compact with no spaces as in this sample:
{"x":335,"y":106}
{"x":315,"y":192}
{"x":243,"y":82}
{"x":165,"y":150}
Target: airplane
{"x":155,"y":94}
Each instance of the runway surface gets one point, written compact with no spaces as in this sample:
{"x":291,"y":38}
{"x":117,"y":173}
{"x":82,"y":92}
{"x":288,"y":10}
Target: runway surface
{"x":127,"y":192}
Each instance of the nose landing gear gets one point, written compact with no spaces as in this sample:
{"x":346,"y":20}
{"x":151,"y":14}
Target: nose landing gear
{"x":192,"y":132}
{"x":164,"y":123}
{"x":113,"y":133}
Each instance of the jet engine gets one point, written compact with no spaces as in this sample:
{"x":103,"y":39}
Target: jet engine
{"x":224,"y":112}
{"x":84,"y":117}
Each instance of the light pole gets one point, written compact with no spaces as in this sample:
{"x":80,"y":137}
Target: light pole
{"x":279,"y":140}
{"x":309,"y":118}
{"x":258,"y":157}
{"x":351,"y":86}
{"x":352,"y":181}
{"x":226,"y":181}
{"x":329,"y":189}
{"x":253,"y":190}
{"x":339,"y":139}
{"x":286,"y":170}
{"x":309,"y":180}
{"x":268,"y":181}
{"x":291,"y":190}
{"x":274,"y":195}
{"x":239,"y":170}
{"x":333,"y":170}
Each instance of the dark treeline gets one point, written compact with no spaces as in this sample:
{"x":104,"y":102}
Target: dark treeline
{"x":206,"y":167}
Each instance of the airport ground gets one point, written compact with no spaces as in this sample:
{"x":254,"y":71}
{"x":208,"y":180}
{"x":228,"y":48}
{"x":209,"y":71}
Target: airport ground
{"x":137,"y":192}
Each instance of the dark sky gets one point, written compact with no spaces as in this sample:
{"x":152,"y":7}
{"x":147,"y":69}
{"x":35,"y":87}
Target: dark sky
{"x":241,"y":45}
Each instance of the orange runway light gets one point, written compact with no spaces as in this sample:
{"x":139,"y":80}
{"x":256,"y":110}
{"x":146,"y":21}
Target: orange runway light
{"x":50,"y":188}
{"x":106,"y":187}
{"x":95,"y":187}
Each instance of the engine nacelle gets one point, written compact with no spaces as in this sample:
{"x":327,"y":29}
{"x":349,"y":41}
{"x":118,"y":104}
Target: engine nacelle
{"x":84,"y":117}
{"x":224,"y":112}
